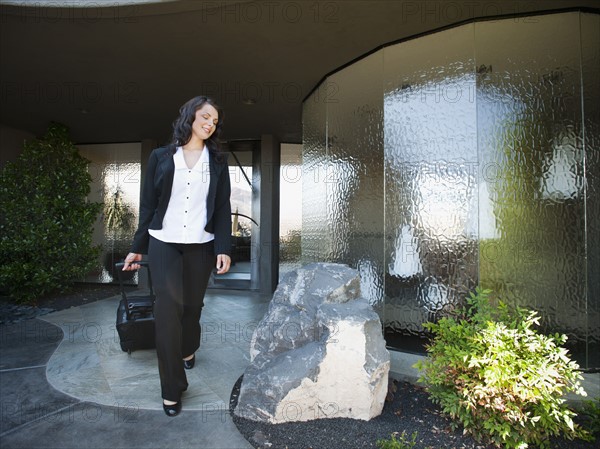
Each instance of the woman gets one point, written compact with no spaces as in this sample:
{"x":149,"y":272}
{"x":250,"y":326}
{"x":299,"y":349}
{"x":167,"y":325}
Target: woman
{"x":185,"y":220}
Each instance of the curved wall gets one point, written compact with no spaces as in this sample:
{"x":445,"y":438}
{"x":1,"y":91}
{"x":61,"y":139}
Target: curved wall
{"x":467,"y":156}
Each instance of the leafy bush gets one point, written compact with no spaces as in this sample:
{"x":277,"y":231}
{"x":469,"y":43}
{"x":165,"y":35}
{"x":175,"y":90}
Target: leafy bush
{"x":591,"y":415}
{"x":46,"y":223}
{"x":398,"y":443}
{"x":493,"y":373}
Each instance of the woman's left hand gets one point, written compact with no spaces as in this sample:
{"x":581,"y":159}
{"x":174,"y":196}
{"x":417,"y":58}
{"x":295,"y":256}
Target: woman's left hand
{"x":223,"y":263}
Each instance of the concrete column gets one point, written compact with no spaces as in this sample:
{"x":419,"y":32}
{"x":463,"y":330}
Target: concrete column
{"x":265,"y":206}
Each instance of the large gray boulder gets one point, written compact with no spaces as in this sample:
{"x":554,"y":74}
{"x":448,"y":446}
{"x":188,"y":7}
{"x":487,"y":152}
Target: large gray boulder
{"x":318,"y":352}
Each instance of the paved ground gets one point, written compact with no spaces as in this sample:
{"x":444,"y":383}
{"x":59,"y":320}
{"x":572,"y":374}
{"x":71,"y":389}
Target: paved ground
{"x":75,"y":350}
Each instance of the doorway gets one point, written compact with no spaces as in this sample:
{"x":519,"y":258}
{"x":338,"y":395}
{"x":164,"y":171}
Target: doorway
{"x":241,"y":157}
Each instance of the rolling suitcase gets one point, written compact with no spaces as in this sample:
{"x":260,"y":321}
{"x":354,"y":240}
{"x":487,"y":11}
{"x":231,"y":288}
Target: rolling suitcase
{"x":135,"y":316}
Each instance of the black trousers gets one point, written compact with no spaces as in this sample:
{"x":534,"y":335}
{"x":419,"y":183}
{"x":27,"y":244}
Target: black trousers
{"x":180,"y":274}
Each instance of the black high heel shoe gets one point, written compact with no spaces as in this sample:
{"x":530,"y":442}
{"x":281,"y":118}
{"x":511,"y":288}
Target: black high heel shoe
{"x":189,"y":364}
{"x":172,"y":410}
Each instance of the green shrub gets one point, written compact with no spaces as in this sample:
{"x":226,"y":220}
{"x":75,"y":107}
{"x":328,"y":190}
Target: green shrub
{"x":46,"y":223}
{"x":398,"y":443}
{"x":493,"y":373}
{"x":591,"y":414}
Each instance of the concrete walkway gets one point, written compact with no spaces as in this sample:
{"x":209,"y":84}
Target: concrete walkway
{"x":65,"y":383}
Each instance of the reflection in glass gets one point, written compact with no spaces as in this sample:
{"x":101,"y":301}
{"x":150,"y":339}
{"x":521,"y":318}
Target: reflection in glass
{"x":530,"y":129}
{"x":343,"y":174}
{"x":430,"y":180}
{"x":115,"y":170}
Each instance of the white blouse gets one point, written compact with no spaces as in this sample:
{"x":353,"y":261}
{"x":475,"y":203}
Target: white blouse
{"x":185,"y":217}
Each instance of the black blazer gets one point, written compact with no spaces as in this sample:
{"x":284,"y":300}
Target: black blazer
{"x":156,"y":193}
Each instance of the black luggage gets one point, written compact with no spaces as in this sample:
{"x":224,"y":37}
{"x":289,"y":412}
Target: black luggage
{"x":135,"y":316}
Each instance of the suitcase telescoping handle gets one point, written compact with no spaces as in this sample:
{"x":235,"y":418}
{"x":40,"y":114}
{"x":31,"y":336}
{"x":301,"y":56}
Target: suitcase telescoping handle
{"x":119,"y":266}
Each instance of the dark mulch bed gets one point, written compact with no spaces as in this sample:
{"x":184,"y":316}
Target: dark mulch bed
{"x":80,"y":294}
{"x":410,"y":411}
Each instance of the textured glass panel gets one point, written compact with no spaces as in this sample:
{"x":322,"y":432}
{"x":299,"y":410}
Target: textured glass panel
{"x":355,"y":172}
{"x":532,"y":163}
{"x":590,"y":45}
{"x":290,"y":215}
{"x":491,"y":174}
{"x":115,"y":170}
{"x":316,"y":236}
{"x":430,"y":179}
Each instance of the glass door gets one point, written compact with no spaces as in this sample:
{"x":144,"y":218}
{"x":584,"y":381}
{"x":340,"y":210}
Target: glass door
{"x":242,"y":221}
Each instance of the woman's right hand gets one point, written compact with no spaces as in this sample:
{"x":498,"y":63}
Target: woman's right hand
{"x":130,"y":262}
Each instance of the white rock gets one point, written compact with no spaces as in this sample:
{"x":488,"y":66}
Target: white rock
{"x":317,"y":353}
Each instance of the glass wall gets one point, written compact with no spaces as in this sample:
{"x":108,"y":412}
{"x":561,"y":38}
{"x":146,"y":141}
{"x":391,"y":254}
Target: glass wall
{"x":115,"y":171}
{"x":590,"y":86}
{"x":464,"y":157}
{"x":343,"y":174}
{"x":530,"y":140}
{"x":290,"y":208}
{"x":430,"y":176}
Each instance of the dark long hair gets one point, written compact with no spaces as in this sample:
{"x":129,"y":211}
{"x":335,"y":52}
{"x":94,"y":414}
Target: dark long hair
{"x":182,"y":126}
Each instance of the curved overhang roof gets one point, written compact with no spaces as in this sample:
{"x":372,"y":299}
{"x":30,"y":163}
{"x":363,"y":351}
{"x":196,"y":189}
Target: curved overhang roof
{"x":116,"y":71}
